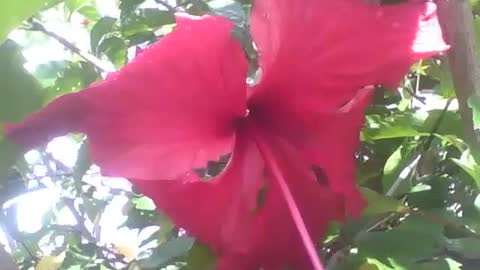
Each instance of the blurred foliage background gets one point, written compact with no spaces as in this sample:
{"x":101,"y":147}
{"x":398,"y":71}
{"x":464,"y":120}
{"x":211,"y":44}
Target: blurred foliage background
{"x":421,"y":179}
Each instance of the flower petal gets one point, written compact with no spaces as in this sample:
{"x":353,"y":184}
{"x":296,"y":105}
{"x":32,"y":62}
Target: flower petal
{"x":333,"y":149}
{"x":172,"y":108}
{"x":317,"y":204}
{"x":242,"y":213}
{"x":215,"y":208}
{"x":327,"y":138}
{"x":314,"y":47}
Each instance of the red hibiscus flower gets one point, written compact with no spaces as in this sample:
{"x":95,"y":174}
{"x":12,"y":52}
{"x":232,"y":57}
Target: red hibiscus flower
{"x":184,"y":101}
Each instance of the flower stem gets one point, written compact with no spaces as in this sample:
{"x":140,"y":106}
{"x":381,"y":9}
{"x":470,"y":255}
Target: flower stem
{"x":292,"y":205}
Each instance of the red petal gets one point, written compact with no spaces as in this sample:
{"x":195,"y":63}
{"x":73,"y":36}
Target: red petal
{"x":295,"y":185}
{"x":212,"y":210}
{"x":315,"y":47}
{"x":333,"y":147}
{"x":172,"y":108}
{"x":328,"y":138}
{"x":226,"y":213}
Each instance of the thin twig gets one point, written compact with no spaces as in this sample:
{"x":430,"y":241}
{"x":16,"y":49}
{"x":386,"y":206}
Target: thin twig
{"x":70,"y":204}
{"x":416,"y":158}
{"x":396,"y":185}
{"x":99,"y":64}
{"x":415,"y":96}
{"x":166,"y":5}
{"x":80,"y":226}
{"x":436,"y":126}
{"x":338,"y":255}
{"x":417,"y":82}
{"x":179,"y":6}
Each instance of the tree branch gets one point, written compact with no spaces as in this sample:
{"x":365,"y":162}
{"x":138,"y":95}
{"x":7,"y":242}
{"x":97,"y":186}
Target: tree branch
{"x":457,"y":21}
{"x":96,"y":62}
{"x":166,"y":5}
{"x":80,"y":219}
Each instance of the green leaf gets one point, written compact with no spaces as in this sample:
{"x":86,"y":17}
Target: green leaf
{"x":48,"y":72}
{"x":467,"y":247}
{"x":477,"y":23}
{"x":410,"y":124}
{"x":127,"y":7}
{"x":104,"y":26}
{"x":446,"y":89}
{"x":450,"y":124}
{"x":166,"y":227}
{"x":134,"y":25}
{"x":475,"y":5}
{"x":403,"y":247}
{"x":441,"y":264}
{"x":156,"y":18}
{"x":167,"y":252}
{"x":441,"y":72}
{"x":76,"y":76}
{"x":469,"y":165}
{"x":89,"y":12}
{"x":434,"y":264}
{"x":396,"y":126}
{"x":8,"y":154}
{"x":14,"y":12}
{"x":380,"y":204}
{"x":432,"y":194}
{"x":74,"y":5}
{"x":116,"y":50}
{"x":140,"y":37}
{"x":144,"y":203}
{"x":141,"y":218}
{"x":431,"y":232}
{"x":201,"y":257}
{"x":396,"y":163}
{"x":474,"y":104}
{"x":20,"y":93}
{"x":372,"y":264}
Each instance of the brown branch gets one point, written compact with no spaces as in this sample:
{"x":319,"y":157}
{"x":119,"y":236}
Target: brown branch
{"x":457,"y":22}
{"x":97,"y":63}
